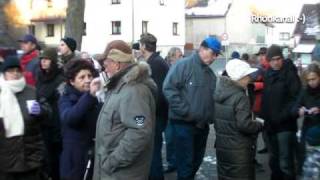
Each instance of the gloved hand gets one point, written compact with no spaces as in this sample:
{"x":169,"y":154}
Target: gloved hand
{"x":35,"y":108}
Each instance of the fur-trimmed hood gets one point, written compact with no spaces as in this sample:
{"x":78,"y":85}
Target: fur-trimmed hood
{"x":136,"y":73}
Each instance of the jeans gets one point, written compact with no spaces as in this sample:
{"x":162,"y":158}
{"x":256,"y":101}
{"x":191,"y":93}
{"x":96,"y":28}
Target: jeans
{"x":156,"y":171}
{"x":170,"y":146}
{"x":190,"y":144}
{"x":282,"y":149}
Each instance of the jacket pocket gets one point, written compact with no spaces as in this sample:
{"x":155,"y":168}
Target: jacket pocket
{"x":194,"y":98}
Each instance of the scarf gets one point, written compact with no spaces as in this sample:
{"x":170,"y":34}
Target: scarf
{"x":10,"y":110}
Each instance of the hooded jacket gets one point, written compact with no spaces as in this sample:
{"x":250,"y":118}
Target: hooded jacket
{"x":125,"y":128}
{"x":236,"y":131}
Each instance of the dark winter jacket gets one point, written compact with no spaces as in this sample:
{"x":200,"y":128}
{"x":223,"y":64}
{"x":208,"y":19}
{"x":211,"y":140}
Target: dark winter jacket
{"x":22,"y":153}
{"x":189,"y":88}
{"x":125,"y":129}
{"x":48,"y":96}
{"x":236,"y":131}
{"x":78,"y":115}
{"x":159,"y":70}
{"x":281,"y":90}
{"x":64,"y":59}
{"x":308,"y":98}
{"x":30,"y":65}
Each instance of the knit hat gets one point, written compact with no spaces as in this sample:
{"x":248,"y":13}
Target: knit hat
{"x":119,"y":56}
{"x":313,"y":136}
{"x":49,"y":53}
{"x":70,"y":42}
{"x":10,"y":62}
{"x":274,"y":50}
{"x":238,"y":69}
{"x":212,"y":43}
{"x":235,"y":55}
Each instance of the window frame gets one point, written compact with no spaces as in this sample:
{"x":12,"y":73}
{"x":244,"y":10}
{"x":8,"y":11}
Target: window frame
{"x":175,"y":28}
{"x":50,"y":30}
{"x":114,"y":29}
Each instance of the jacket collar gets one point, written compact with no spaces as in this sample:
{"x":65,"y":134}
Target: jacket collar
{"x":137,"y":72}
{"x":198,"y":60}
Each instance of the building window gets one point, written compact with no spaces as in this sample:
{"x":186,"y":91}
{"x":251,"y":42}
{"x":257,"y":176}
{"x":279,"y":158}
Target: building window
{"x":161,"y":2}
{"x":50,"y":30}
{"x":175,"y":29}
{"x":84,"y":29}
{"x":284,"y":36}
{"x":115,"y":2}
{"x":144,"y":27}
{"x":32,"y":29}
{"x":116,"y":27}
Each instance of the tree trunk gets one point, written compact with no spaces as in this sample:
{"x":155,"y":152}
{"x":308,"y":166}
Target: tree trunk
{"x":75,"y":20}
{"x":5,"y":38}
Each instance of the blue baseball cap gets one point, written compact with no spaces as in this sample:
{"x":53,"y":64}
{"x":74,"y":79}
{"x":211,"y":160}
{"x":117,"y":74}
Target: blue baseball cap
{"x":213,"y":43}
{"x":28,"y":38}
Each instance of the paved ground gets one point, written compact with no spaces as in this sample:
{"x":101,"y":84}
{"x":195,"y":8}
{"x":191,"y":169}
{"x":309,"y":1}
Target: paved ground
{"x":208,"y":168}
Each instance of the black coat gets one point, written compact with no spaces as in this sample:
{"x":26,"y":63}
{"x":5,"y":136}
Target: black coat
{"x":236,"y":132}
{"x":308,"y":98}
{"x":48,"y":96}
{"x":159,"y":70}
{"x":23,"y":153}
{"x":279,"y":96}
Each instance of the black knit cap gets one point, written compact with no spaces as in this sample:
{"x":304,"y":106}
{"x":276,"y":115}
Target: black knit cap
{"x":70,"y":42}
{"x":10,"y":62}
{"x":274,"y":50}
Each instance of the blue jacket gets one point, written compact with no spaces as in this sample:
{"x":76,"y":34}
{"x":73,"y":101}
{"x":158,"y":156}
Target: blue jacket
{"x":189,"y":88}
{"x":78,"y":113}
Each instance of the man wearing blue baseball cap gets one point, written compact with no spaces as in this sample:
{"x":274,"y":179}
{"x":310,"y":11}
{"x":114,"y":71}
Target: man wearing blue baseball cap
{"x":189,"y":88}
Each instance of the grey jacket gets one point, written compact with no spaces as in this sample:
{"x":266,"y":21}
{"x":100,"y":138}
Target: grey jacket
{"x":189,"y":88}
{"x":125,"y":128}
{"x":236,"y":132}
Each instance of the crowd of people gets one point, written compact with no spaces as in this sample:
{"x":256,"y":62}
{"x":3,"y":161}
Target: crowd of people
{"x":70,"y":116}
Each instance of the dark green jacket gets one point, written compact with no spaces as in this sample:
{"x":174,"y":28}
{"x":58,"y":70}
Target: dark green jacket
{"x":125,"y":128}
{"x":236,"y":131}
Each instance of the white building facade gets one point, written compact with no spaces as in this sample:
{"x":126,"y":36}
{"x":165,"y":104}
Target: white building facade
{"x":126,"y":20}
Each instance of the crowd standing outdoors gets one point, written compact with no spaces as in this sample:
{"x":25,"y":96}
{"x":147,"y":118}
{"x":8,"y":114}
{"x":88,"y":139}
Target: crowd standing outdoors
{"x":69,"y":116}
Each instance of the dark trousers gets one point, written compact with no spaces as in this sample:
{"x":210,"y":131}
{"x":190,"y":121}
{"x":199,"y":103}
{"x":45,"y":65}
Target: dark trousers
{"x":170,"y":146}
{"x":29,"y":175}
{"x":190,"y":145}
{"x":52,"y":156}
{"x":282,"y":149}
{"x":156,"y":171}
